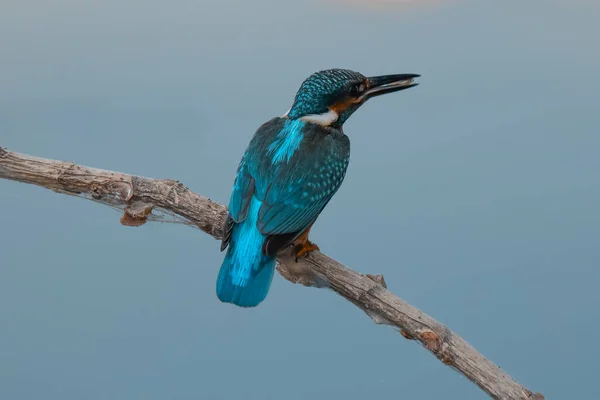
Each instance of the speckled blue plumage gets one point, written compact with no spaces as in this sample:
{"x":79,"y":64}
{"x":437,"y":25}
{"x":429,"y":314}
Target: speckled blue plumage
{"x":288,"y":174}
{"x":292,"y":168}
{"x":321,"y":89}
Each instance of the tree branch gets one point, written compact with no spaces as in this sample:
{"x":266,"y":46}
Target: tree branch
{"x":144,"y":199}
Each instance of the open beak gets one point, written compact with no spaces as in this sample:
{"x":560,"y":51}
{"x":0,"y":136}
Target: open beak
{"x":388,"y":84}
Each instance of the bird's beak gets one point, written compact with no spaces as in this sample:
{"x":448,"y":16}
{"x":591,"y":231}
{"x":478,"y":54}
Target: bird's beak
{"x":387,"y":84}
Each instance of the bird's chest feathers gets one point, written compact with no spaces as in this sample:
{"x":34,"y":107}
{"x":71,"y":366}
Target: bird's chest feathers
{"x":286,"y":142}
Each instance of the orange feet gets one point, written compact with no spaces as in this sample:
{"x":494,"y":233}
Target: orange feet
{"x":302,"y":249}
{"x":303,"y":246}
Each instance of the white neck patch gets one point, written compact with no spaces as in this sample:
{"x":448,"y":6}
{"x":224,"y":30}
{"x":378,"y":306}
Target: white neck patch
{"x":325,"y":119}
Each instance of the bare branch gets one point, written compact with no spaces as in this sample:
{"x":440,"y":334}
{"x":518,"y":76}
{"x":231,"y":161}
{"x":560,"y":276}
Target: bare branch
{"x":143,"y":199}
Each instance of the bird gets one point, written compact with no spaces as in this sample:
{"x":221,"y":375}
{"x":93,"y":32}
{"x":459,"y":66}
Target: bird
{"x":292,"y":167}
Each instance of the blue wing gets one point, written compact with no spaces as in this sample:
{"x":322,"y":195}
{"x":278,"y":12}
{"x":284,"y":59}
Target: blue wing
{"x":301,"y":188}
{"x":293,"y":191}
{"x":252,"y":175}
{"x":241,"y":194}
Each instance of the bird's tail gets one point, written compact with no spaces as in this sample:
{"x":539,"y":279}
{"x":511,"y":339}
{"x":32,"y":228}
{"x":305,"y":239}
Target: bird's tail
{"x":246,"y":274}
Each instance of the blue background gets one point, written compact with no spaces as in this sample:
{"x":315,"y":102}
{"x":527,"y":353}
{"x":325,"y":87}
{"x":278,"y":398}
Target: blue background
{"x":475,"y":194}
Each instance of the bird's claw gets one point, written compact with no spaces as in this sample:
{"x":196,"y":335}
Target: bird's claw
{"x":302,"y":249}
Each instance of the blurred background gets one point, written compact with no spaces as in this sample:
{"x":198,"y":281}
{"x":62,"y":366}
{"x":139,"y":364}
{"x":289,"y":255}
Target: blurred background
{"x":485,"y":178}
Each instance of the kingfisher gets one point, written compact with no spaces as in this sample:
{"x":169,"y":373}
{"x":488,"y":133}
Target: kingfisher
{"x":291,"y":169}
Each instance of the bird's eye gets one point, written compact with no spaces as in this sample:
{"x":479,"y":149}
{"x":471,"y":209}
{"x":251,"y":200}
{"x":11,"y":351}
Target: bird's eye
{"x":355,"y":90}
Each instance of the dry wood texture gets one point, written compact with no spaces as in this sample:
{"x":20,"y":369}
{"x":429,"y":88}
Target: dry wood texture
{"x":144,"y":199}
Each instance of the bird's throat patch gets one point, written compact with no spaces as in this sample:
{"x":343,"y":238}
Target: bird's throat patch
{"x":325,"y":119}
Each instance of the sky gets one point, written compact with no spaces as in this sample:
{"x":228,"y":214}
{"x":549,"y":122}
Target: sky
{"x":475,"y":194}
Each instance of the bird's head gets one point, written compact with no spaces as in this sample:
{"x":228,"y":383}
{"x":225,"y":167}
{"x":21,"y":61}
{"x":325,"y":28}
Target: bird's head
{"x":329,"y":97}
